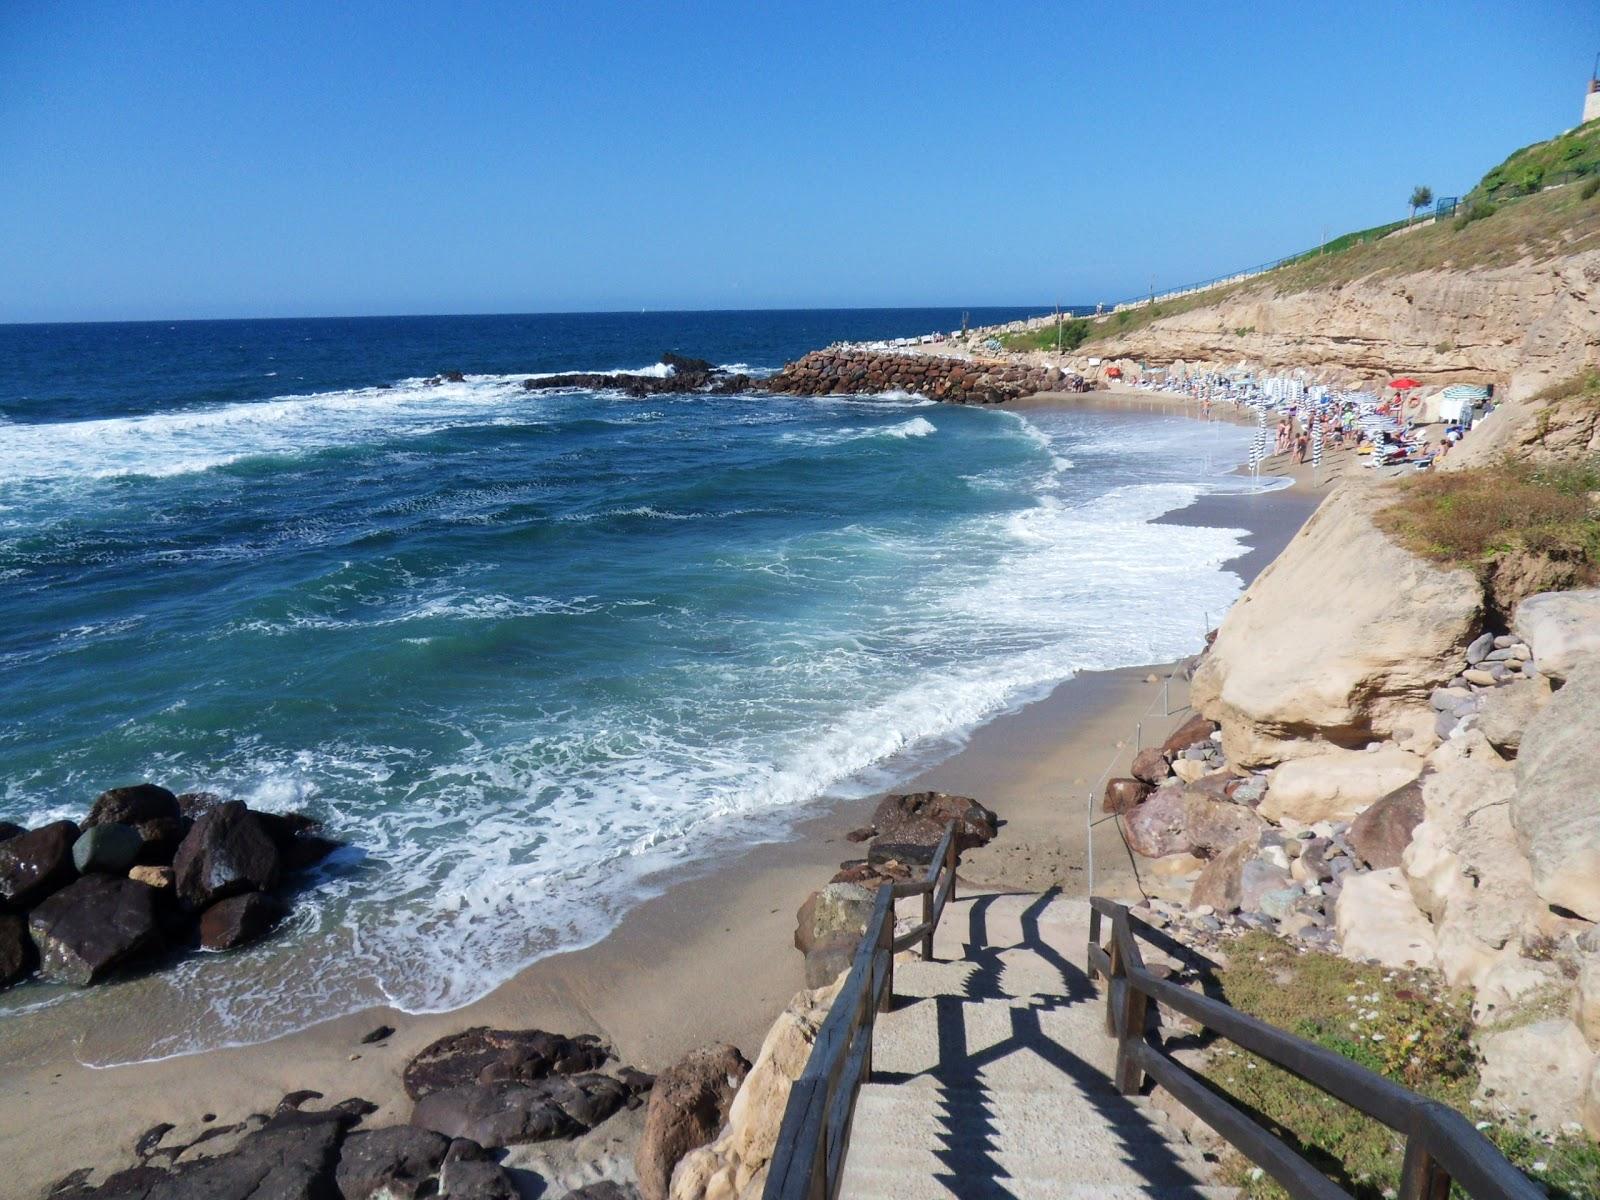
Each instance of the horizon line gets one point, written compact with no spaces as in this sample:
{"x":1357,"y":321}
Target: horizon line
{"x":1044,"y":310}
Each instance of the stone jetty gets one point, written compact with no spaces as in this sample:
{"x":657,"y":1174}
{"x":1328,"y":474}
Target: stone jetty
{"x":843,"y":371}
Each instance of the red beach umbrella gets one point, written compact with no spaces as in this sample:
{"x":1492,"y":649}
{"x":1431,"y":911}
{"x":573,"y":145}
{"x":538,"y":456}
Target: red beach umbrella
{"x":1113,"y":372}
{"x":1405,"y":385}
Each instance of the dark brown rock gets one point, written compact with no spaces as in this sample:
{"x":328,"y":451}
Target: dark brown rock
{"x":1151,"y":766}
{"x":687,"y":1106}
{"x":9,"y":830}
{"x":239,"y":920}
{"x":1192,"y":732}
{"x":17,"y":955}
{"x":1219,"y":884}
{"x":160,"y":838}
{"x":226,"y":853}
{"x":921,"y":817}
{"x":1157,"y":827}
{"x":1380,"y":835}
{"x":130,"y":805}
{"x":283,"y":828}
{"x":398,"y":1163}
{"x":93,"y":925}
{"x":828,"y":957}
{"x":1124,"y":794}
{"x":195,"y":805}
{"x":511,"y":1113}
{"x":36,"y":863}
{"x":481,"y":1054}
{"x":307,"y":850}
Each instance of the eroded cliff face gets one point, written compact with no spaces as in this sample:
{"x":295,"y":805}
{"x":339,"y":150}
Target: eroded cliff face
{"x":1520,"y":326}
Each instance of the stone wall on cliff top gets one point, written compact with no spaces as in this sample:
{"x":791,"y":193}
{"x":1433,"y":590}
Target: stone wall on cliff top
{"x":1521,"y":326}
{"x":956,"y":380}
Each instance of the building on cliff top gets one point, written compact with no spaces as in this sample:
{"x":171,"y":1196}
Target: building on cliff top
{"x":1591,"y":98}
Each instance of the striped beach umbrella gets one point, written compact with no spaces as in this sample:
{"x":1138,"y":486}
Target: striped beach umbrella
{"x":1258,"y":448}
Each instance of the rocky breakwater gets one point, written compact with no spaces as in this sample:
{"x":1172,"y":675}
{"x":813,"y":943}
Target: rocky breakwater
{"x":682,"y":375}
{"x":145,"y":873}
{"x":845,"y":371}
{"x":1383,"y":774}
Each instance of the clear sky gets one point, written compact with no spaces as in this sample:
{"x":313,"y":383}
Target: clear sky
{"x":304,"y":157}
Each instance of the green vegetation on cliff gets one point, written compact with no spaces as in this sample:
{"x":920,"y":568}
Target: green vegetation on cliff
{"x":1404,"y":1025}
{"x":1574,"y":154}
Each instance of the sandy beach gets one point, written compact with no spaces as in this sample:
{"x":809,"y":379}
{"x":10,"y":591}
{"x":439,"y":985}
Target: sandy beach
{"x":708,"y":959}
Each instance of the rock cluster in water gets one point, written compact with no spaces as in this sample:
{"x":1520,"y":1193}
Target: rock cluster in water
{"x":145,"y":872}
{"x":686,"y":375}
{"x":956,"y":380}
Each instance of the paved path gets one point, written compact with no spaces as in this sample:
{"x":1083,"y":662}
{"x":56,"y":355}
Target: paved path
{"x":992,"y":1076}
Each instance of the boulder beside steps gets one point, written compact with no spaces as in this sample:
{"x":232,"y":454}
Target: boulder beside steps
{"x":992,"y":1076}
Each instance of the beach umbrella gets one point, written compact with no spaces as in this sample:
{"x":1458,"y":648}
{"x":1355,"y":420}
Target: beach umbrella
{"x":1405,"y":384}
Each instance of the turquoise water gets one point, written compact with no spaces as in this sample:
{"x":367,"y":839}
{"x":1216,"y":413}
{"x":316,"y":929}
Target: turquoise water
{"x":525,"y":651}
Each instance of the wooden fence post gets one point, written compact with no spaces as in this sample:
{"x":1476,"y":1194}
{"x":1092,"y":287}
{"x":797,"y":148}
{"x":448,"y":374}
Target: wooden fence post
{"x":927,"y":919}
{"x":950,"y":860}
{"x":1422,"y":1178}
{"x":886,"y":944}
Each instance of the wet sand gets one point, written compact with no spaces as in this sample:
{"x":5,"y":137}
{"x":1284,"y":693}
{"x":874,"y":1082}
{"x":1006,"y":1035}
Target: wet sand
{"x":709,"y":959}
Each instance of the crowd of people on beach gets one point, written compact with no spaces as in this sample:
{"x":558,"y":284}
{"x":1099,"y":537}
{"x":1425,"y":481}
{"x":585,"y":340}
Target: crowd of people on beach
{"x":1386,"y":429}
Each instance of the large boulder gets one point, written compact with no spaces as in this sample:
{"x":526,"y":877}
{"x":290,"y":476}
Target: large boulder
{"x":1538,"y":1071}
{"x":1377,"y":920}
{"x":1380,"y":835}
{"x":239,"y":920}
{"x":1221,"y":879}
{"x":1286,"y":678}
{"x":131,"y":805}
{"x":510,"y":1113}
{"x":17,"y":955}
{"x":1464,"y":866}
{"x":687,"y":1107}
{"x":484,"y":1055}
{"x":735,"y":1164}
{"x":1150,"y":766}
{"x":1561,"y":628}
{"x":920,"y":818}
{"x":1124,"y":793}
{"x":36,"y":863}
{"x":1335,"y":785}
{"x":1505,"y":712}
{"x":398,"y":1163}
{"x":829,"y":926}
{"x":226,"y":853}
{"x":1554,"y":810}
{"x":1178,"y":820}
{"x":1196,"y":731}
{"x":109,"y":848}
{"x":93,"y":925}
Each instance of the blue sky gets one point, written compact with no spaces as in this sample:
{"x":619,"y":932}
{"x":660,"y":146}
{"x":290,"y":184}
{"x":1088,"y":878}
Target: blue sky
{"x":167,"y":160}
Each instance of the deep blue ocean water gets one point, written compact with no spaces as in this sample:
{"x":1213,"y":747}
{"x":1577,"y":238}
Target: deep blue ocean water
{"x":524,"y":651}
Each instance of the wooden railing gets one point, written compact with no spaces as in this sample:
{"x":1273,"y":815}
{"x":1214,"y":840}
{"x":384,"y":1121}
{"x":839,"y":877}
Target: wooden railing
{"x":808,"y":1160}
{"x":1441,"y":1144}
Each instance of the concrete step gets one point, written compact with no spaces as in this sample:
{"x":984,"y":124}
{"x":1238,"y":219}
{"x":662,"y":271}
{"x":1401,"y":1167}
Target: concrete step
{"x":870,"y":1183}
{"x":946,"y":1038}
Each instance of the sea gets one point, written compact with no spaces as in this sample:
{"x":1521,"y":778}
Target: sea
{"x":527,"y":654}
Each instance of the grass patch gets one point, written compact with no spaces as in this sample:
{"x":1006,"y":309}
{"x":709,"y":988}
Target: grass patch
{"x":1472,"y":517}
{"x":1575,"y":153}
{"x":1583,"y":387}
{"x":1405,"y":1025}
{"x":1073,"y":333}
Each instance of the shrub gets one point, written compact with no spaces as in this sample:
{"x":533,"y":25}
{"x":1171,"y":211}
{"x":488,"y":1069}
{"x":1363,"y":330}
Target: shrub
{"x":1470,"y":517}
{"x":1478,"y":210}
{"x":1587,"y":192}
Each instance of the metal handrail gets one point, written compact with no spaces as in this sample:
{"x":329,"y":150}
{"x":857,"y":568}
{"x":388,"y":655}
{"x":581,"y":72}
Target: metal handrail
{"x":808,"y":1159}
{"x":1441,"y":1144}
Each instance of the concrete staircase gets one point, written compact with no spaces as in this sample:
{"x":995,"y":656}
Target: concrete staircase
{"x":992,"y":1076}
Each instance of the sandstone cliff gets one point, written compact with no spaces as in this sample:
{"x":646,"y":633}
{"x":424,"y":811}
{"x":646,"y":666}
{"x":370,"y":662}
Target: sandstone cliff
{"x":1513,"y":300}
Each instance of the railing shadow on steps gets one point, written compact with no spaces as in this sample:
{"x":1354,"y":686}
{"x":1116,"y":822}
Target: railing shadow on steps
{"x":808,"y":1159}
{"x":1441,"y":1145}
